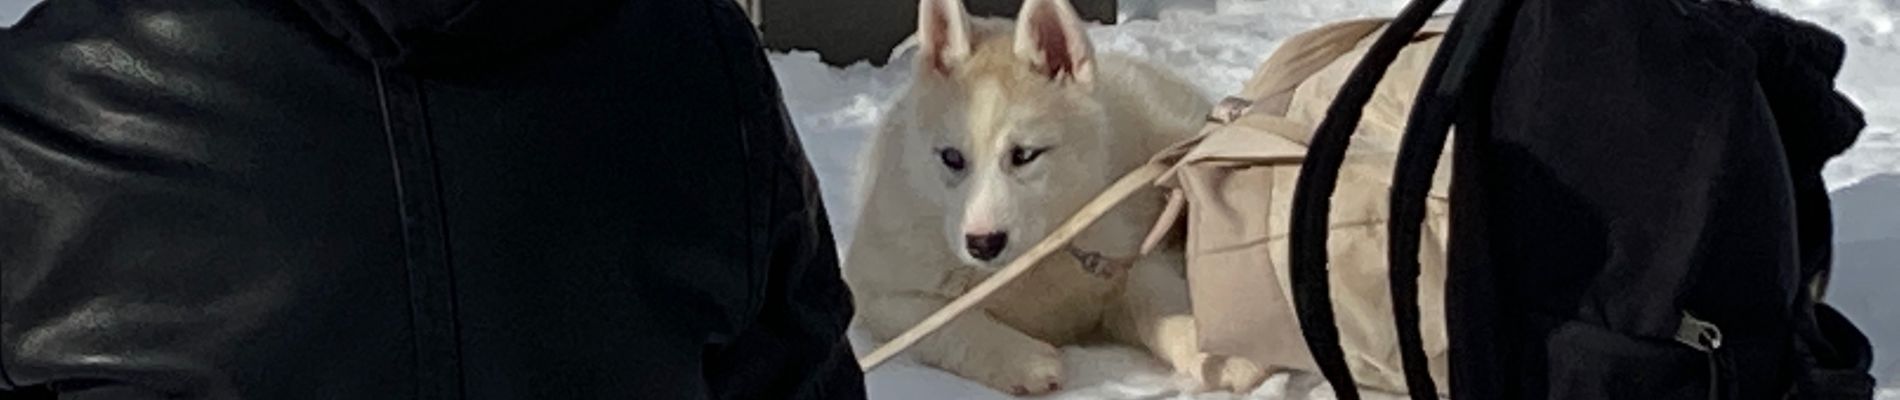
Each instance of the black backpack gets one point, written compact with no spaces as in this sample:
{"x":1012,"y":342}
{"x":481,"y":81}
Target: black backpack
{"x":1638,"y":209}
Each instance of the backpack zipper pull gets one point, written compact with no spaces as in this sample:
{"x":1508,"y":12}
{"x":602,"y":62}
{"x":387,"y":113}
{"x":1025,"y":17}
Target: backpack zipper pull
{"x":1706,"y":338}
{"x":1698,"y":334}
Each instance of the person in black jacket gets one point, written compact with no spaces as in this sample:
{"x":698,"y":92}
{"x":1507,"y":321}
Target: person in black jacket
{"x":378,"y":199}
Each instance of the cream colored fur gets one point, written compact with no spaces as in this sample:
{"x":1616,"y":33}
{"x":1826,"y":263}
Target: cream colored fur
{"x":985,"y":88}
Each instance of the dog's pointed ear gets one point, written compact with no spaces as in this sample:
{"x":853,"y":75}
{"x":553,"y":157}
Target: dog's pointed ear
{"x":1049,"y":36}
{"x":943,"y":34}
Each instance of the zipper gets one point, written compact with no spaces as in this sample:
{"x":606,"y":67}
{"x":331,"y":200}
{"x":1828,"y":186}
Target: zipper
{"x":1706,"y":338}
{"x":425,"y":239}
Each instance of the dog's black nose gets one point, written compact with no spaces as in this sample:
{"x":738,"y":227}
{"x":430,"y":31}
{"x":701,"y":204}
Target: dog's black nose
{"x":986,"y":246}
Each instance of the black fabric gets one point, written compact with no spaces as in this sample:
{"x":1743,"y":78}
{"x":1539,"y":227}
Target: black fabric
{"x":1638,"y":171}
{"x":451,"y":35}
{"x":1625,"y":169}
{"x":1588,"y":362}
{"x":1638,"y":160}
{"x":1840,"y":372}
{"x":224,"y":200}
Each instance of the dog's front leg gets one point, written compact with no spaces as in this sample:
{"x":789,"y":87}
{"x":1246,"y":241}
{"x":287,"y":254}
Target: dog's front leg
{"x":974,"y":345}
{"x":1155,"y":312}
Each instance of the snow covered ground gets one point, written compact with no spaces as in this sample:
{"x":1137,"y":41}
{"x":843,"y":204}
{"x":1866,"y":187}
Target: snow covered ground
{"x":1217,"y":44}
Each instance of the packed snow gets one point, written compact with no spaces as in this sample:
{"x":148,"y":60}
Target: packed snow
{"x":1217,"y":43}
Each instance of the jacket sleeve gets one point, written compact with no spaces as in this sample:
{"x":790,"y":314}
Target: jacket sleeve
{"x":795,"y":347}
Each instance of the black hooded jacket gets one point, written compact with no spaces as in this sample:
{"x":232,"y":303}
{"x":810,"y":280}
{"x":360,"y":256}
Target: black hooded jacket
{"x":379,"y":199}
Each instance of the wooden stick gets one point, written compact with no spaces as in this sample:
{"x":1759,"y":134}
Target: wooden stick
{"x":1120,"y":190}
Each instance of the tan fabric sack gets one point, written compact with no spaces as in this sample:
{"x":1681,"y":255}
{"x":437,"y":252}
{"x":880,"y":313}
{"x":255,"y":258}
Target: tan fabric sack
{"x":1235,"y":183}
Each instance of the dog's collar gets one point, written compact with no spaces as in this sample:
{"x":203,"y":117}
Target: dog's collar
{"x":1100,"y":265}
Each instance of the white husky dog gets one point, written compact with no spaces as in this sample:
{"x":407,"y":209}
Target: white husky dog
{"x":1006,"y":129}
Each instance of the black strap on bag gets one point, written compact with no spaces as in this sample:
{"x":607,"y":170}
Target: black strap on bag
{"x":1468,"y":54}
{"x":1319,"y":175}
{"x":1468,"y":42}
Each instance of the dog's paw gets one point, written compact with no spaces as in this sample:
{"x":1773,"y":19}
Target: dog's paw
{"x":1232,"y":374}
{"x":1027,"y":372}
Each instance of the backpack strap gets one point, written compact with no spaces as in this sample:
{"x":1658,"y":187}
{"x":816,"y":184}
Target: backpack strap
{"x":1469,"y":48}
{"x":1319,"y":175}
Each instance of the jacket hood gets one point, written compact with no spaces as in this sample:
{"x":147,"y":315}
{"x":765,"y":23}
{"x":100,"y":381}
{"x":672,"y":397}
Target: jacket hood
{"x":1797,"y":63}
{"x":430,"y":34}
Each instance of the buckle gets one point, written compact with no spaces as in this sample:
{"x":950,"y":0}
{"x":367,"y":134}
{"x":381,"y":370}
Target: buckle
{"x":1229,"y":109}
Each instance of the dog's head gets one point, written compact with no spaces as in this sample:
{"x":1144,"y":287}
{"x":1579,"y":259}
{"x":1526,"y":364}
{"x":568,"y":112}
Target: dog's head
{"x":1007,"y":135}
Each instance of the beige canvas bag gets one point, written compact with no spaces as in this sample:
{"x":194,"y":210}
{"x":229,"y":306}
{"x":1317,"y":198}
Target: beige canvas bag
{"x":1235,"y":183}
{"x":1232,"y":185}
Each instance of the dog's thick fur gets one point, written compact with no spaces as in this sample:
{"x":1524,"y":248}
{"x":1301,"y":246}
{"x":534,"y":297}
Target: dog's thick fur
{"x":1039,"y":124}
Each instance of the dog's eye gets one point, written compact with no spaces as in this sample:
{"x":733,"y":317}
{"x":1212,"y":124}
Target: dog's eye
{"x":1024,"y":155}
{"x":951,"y":158}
